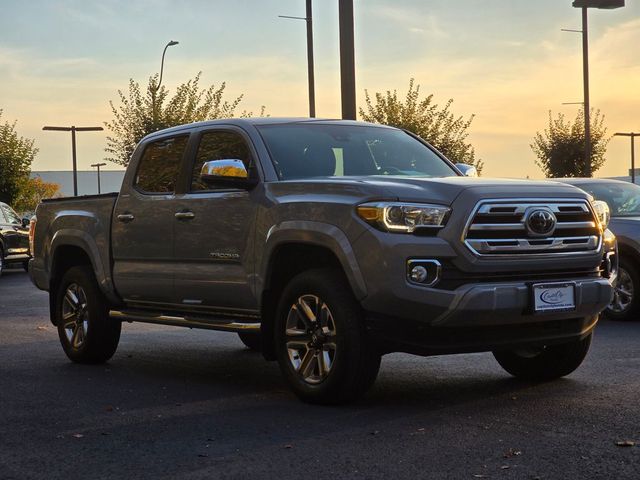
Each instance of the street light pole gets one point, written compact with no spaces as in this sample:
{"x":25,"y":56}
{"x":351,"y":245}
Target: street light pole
{"x":584,"y":5}
{"x":310,"y":69}
{"x":633,"y":136}
{"x":585,"y":80}
{"x":73,"y":129}
{"x":171,"y":43}
{"x":98,"y":165}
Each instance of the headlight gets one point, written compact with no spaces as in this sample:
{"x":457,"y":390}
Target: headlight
{"x":602,"y":211}
{"x":403,"y":217}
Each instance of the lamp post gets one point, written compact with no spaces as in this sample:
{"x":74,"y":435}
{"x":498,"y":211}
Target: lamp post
{"x":98,"y":165}
{"x":73,"y":130}
{"x":155,"y":90}
{"x":310,"y":70}
{"x":584,"y":5}
{"x":633,"y":136}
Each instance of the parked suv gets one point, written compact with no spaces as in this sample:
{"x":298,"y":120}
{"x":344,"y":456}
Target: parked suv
{"x":327,"y":244}
{"x":14,"y":238}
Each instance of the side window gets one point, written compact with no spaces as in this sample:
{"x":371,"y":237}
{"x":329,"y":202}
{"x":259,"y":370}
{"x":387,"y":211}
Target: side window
{"x":11,"y":216}
{"x":219,"y":146}
{"x":2,"y":217}
{"x":160,"y":165}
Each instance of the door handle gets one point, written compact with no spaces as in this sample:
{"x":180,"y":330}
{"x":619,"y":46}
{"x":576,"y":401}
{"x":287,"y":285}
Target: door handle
{"x":126,"y":217}
{"x":185,"y":215}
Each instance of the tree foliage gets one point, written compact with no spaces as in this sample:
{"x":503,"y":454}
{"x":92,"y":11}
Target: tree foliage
{"x":16,"y":155}
{"x":560,"y":148}
{"x":32,"y":191}
{"x":437,"y":125}
{"x":141,"y":113}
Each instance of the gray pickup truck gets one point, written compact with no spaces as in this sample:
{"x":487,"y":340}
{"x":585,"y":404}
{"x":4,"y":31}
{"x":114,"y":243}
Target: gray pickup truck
{"x":327,"y":244}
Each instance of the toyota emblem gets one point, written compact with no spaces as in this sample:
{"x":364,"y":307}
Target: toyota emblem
{"x":541,"y":222}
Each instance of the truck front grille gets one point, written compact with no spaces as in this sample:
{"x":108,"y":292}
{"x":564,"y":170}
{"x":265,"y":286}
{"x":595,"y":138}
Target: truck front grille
{"x":530,"y":227}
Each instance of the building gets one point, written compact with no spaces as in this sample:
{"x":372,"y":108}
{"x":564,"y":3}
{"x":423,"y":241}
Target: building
{"x":110,"y":180}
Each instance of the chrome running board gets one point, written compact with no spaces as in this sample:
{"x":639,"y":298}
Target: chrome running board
{"x":190,"y":321}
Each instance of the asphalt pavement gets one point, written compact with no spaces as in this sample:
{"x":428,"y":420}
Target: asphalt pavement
{"x":188,"y":404}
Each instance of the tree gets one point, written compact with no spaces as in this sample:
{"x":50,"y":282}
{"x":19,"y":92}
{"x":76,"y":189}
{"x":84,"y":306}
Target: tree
{"x":560,"y":148}
{"x":439,"y":126}
{"x":141,"y":114}
{"x":16,"y":155}
{"x":32,"y":191}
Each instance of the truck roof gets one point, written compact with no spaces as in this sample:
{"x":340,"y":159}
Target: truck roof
{"x":240,"y":122}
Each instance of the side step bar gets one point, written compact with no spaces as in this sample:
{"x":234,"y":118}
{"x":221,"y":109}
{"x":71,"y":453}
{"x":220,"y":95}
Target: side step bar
{"x":185,"y":321}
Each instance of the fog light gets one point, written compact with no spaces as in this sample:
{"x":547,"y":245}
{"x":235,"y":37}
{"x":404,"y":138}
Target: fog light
{"x":419,"y":274}
{"x":423,"y":272}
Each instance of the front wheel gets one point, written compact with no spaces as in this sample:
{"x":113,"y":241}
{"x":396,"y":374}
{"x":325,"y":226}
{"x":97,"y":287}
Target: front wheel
{"x":544,"y":363}
{"x":86,"y":332}
{"x":320,"y":339}
{"x":625,"y":304}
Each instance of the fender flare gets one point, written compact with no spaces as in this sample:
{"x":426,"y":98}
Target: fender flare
{"x":84,"y":241}
{"x":314,"y":233}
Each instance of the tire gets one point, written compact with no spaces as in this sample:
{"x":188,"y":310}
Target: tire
{"x":321,"y":343}
{"x":547,"y":363}
{"x":625,"y":304}
{"x":1,"y":261}
{"x":25,"y":265}
{"x":251,"y":340}
{"x":86,"y":332}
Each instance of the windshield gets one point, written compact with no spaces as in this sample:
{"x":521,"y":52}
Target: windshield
{"x":321,"y":150}
{"x":623,"y":198}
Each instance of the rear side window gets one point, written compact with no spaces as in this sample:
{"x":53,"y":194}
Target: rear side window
{"x":160,"y":165}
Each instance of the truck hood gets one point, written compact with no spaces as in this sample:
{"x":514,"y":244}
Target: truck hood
{"x":443,"y":191}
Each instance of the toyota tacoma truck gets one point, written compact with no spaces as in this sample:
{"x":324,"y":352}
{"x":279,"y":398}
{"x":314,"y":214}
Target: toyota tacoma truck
{"x":327,"y":244}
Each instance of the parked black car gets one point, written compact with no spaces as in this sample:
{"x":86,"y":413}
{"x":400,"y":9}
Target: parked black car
{"x":14,"y":238}
{"x":623,"y":199}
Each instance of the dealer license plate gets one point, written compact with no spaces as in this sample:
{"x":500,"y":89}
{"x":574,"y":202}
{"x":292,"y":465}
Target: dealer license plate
{"x":554,"y":297}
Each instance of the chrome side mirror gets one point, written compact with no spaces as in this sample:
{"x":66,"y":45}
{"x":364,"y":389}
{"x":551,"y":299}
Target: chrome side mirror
{"x":227,"y":171}
{"x":467,"y":170}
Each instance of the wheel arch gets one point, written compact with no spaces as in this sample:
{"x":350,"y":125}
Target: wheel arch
{"x":292,"y":249}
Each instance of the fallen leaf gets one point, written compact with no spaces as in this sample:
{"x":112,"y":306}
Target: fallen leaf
{"x":77,"y":435}
{"x":108,"y":409}
{"x":203,"y":455}
{"x":625,"y":443}
{"x":375,"y":432}
{"x":512,"y":452}
{"x":505,"y":467}
{"x":288,"y":446}
{"x":41,"y":328}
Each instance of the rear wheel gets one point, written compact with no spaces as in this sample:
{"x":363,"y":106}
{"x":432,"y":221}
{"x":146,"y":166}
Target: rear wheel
{"x":321,"y":344}
{"x":625,"y":304}
{"x":544,"y":363}
{"x":25,"y":265}
{"x":1,"y":261}
{"x":86,"y":332}
{"x":251,"y":340}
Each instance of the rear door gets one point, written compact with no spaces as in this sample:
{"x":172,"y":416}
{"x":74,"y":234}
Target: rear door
{"x":214,"y":247}
{"x":143,"y":224}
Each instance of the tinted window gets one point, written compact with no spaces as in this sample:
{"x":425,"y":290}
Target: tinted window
{"x":11,"y":216}
{"x":218,"y":146}
{"x":160,"y":165}
{"x":314,"y":150}
{"x":623,"y":198}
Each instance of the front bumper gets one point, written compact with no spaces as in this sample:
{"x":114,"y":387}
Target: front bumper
{"x":486,"y":313}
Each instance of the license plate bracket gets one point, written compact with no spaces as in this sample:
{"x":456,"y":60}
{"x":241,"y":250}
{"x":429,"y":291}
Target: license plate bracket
{"x":554,"y":297}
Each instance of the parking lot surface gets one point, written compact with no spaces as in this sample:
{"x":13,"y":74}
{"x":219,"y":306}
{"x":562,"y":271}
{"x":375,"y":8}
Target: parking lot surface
{"x":179,"y":403}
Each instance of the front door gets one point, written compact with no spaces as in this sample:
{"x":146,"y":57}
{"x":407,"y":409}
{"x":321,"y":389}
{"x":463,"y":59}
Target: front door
{"x":16,"y":237}
{"x":143,"y":225}
{"x":214,"y":236}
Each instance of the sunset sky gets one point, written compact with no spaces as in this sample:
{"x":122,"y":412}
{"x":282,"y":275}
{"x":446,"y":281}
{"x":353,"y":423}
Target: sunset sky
{"x":504,"y":60}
